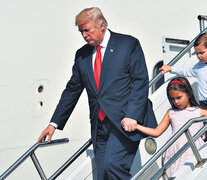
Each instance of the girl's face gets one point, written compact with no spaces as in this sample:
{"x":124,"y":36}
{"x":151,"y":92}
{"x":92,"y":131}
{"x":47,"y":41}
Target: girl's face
{"x":180,"y":99}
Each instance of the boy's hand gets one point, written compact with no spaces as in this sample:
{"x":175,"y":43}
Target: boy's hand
{"x":165,"y":68}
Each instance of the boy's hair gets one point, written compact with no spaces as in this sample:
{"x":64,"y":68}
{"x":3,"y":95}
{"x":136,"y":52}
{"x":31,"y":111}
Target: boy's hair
{"x":202,"y":39}
{"x":181,"y":84}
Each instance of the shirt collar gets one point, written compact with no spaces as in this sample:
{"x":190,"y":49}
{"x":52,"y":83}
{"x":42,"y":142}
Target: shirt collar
{"x":105,"y":39}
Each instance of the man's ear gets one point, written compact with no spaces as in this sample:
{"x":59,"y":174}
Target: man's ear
{"x":103,"y":27}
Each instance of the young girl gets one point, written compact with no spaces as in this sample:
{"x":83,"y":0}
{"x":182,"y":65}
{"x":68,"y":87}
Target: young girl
{"x":184,"y":107}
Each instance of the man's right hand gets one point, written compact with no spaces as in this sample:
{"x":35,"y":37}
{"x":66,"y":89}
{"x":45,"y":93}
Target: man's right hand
{"x":49,"y":131}
{"x":165,"y":68}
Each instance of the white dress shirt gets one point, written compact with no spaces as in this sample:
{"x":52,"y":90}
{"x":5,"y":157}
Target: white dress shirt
{"x":200,"y":72}
{"x":103,"y":44}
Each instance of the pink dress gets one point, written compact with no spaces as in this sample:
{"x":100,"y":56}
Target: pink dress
{"x":177,"y":119}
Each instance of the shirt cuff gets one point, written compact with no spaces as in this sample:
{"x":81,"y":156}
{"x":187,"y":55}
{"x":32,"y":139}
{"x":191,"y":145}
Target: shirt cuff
{"x":173,"y":69}
{"x":53,"y":124}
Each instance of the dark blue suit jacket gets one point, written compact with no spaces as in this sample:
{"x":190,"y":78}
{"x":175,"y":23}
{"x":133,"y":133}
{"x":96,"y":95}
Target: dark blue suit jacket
{"x":123,"y":90}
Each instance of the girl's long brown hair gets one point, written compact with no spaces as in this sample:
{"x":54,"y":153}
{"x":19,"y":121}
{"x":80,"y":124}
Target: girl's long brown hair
{"x":184,"y":86}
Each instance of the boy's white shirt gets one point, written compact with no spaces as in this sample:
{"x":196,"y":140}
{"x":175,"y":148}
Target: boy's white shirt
{"x":199,"y":71}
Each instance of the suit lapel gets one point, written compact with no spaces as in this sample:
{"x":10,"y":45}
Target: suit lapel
{"x":108,"y":57}
{"x":89,"y":69}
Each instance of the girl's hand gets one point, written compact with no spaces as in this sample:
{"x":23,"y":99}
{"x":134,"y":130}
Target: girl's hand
{"x":129,"y":124}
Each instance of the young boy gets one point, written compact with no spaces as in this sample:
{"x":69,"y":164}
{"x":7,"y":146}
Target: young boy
{"x":199,"y":70}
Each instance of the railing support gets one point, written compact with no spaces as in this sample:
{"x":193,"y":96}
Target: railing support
{"x":201,"y":22}
{"x":30,"y":153}
{"x":164,"y":176}
{"x":18,"y":162}
{"x":200,"y":161}
{"x":182,"y":130}
{"x":70,"y":161}
{"x":38,"y":166}
{"x":193,"y":146}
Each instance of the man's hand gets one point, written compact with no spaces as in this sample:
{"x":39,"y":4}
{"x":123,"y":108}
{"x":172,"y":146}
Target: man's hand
{"x":129,"y":124}
{"x":165,"y":68}
{"x":49,"y":131}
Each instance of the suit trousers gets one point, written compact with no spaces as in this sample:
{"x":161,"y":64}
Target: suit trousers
{"x":114,"y":152}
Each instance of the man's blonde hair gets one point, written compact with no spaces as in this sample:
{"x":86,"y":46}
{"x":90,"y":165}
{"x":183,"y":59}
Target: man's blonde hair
{"x":93,"y":14}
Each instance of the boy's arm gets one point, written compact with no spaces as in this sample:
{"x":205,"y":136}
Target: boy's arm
{"x":181,"y":71}
{"x":165,"y":68}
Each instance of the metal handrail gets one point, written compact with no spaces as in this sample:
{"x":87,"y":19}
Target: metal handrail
{"x":176,"y":58}
{"x":201,"y":19}
{"x":70,"y":161}
{"x":31,"y":153}
{"x":191,"y":140}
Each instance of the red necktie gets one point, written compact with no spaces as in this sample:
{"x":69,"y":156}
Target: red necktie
{"x":97,"y":74}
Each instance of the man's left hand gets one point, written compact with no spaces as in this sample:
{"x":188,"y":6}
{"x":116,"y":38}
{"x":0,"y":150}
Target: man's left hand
{"x":129,"y":124}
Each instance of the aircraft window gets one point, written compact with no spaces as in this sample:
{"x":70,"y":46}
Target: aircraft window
{"x":155,"y":72}
{"x":40,"y":89}
{"x":41,"y":103}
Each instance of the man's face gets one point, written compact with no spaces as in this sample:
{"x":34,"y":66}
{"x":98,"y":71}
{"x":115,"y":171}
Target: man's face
{"x":93,"y":35}
{"x":201,"y":52}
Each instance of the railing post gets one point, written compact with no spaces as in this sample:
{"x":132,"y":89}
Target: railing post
{"x":202,"y":26}
{"x":30,"y":153}
{"x":165,"y":176}
{"x":18,"y":162}
{"x":38,"y":166}
{"x":200,"y":161}
{"x":70,"y":161}
{"x":182,"y":130}
{"x":201,"y":22}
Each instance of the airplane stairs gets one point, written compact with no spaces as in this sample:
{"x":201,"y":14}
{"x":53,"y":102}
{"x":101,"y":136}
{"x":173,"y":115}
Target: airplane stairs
{"x":147,"y":165}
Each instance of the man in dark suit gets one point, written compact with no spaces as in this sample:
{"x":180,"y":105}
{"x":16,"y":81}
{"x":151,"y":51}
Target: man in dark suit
{"x":112,"y":69}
